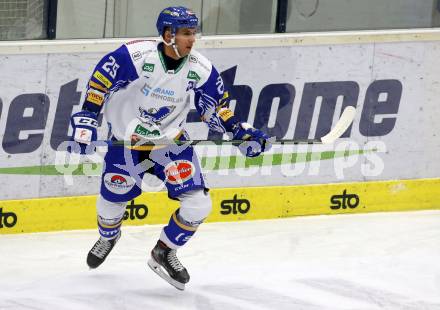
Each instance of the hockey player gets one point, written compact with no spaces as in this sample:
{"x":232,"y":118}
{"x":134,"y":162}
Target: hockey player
{"x":143,"y":86}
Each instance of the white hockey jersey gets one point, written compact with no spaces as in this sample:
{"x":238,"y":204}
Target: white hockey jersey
{"x":142,"y":97}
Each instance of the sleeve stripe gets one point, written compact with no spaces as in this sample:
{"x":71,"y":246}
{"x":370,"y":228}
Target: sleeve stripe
{"x":98,"y":86}
{"x":100,"y":77}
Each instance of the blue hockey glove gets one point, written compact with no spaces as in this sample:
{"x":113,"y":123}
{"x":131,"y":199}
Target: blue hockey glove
{"x":84,"y":124}
{"x":256,"y":140}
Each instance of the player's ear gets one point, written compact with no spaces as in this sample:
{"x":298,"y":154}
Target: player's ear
{"x":167,"y":35}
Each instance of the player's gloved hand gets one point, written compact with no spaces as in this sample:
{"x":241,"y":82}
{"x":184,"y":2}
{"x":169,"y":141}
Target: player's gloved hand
{"x":256,"y":140}
{"x":84,"y":124}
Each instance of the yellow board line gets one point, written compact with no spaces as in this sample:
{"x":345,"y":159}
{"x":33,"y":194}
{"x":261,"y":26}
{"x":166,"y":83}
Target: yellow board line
{"x":229,"y":204}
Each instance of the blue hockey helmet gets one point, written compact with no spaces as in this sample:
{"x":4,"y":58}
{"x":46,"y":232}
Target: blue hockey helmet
{"x":176,"y":17}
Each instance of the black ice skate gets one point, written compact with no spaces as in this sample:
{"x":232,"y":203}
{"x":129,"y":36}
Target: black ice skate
{"x":100,"y":250}
{"x":165,"y":263}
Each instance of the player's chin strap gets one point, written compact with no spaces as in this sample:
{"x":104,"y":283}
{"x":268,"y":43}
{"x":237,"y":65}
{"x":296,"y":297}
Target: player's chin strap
{"x":172,"y":43}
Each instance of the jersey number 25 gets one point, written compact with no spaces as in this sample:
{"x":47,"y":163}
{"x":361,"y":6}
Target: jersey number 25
{"x":111,"y":67}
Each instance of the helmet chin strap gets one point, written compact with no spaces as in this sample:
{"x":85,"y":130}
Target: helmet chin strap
{"x":172,"y":44}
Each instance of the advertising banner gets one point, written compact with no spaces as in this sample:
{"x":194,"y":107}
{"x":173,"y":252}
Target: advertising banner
{"x":228,"y":204}
{"x":291,"y":92}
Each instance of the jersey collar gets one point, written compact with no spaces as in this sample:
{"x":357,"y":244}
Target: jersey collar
{"x":162,"y":60}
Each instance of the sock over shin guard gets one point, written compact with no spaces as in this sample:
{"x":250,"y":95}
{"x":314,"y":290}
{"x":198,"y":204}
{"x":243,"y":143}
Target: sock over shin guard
{"x":109,"y":229}
{"x":177,"y":232}
{"x":110,"y":215}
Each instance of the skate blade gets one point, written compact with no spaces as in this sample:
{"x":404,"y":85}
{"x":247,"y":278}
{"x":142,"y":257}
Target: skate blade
{"x":161,"y":273}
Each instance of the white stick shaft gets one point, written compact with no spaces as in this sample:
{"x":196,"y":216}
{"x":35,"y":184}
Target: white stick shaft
{"x":341,"y":126}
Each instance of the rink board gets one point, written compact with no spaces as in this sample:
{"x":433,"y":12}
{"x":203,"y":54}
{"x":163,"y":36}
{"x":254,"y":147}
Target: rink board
{"x":276,"y":85}
{"x":229,"y":204}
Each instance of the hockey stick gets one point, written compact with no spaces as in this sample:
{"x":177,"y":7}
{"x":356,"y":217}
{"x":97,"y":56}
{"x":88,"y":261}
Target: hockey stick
{"x":212,"y":142}
{"x":341,"y":126}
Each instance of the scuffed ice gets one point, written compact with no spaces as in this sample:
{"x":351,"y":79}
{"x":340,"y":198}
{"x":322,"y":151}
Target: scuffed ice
{"x":363,"y":262}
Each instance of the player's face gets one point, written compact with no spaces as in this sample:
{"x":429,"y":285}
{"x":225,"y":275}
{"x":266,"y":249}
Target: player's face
{"x":185,"y":38}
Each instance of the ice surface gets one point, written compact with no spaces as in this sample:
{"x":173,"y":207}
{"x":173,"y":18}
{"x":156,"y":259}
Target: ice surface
{"x":365,"y":262}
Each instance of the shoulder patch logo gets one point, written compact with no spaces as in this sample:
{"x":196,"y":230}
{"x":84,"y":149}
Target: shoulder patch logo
{"x":193,"y":76}
{"x":148,"y":67}
{"x":136,"y":55}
